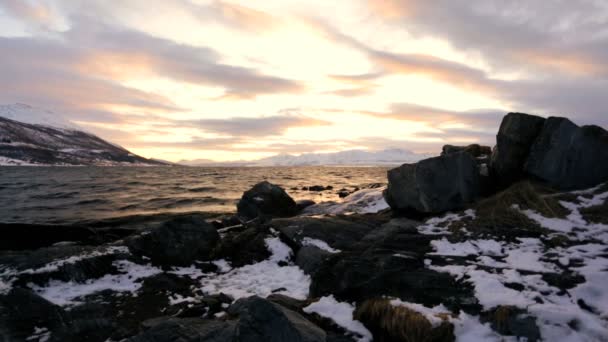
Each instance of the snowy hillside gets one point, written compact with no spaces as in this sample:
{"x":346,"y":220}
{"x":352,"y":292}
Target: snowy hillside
{"x":45,"y":139}
{"x":36,"y":116}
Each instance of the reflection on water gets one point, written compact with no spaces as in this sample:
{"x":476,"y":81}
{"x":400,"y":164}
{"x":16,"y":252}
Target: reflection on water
{"x":65,"y":195}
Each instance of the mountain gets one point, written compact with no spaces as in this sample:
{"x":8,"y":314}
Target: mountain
{"x":391,"y":156}
{"x":29,"y":136}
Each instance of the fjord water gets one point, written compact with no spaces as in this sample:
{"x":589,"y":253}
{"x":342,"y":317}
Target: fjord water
{"x":64,"y":195}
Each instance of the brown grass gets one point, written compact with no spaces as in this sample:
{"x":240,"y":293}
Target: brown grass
{"x":496,"y":214}
{"x":391,"y":323}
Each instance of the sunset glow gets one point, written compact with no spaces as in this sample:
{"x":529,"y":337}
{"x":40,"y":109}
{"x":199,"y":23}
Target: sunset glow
{"x":240,"y":80}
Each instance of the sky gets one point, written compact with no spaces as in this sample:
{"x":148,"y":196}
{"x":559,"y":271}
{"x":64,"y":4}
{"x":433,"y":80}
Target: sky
{"x":242,"y":80}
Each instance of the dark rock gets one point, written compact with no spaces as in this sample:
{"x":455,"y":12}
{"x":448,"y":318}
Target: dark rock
{"x":263,"y":320}
{"x":434,"y":185}
{"x":287,"y":302}
{"x":474,"y":150}
{"x":180,"y":241}
{"x":266,"y":199}
{"x":302,"y":204}
{"x":186,"y":330}
{"x":343,"y":193}
{"x":515,"y":137}
{"x":337,"y":232}
{"x":21,"y":311}
{"x":243,"y":248}
{"x":310,"y":258}
{"x":208,"y":307}
{"x":569,"y":157}
{"x":390,"y":262}
{"x":317,"y":188}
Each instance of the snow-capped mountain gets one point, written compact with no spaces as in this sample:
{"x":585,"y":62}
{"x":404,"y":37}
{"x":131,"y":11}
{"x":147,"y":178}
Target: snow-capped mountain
{"x":29,"y":136}
{"x":393,"y":156}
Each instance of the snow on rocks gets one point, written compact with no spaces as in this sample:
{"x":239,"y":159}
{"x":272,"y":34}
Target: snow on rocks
{"x":440,"y":225}
{"x":263,"y":278}
{"x":341,"y":314}
{"x":513,"y":273}
{"x":319,"y":244}
{"x":574,"y":225}
{"x":68,"y":293}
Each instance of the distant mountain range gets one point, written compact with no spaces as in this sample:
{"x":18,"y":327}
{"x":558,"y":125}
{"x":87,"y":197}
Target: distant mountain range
{"x":391,"y":156}
{"x":29,"y":136}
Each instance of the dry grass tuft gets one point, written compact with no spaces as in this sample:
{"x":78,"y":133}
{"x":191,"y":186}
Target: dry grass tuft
{"x":395,"y":323}
{"x":496,"y":214}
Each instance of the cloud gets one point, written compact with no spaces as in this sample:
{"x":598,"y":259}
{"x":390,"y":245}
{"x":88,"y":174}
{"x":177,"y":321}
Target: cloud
{"x":120,"y":52}
{"x":565,"y":36}
{"x":577,"y":96}
{"x":50,"y":81}
{"x":36,"y":13}
{"x":257,"y":127}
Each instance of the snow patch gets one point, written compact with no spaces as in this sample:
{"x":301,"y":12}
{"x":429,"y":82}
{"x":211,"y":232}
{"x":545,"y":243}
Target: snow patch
{"x":440,"y":225}
{"x":67,"y":293}
{"x":341,"y":314}
{"x":263,"y":278}
{"x":319,"y":244}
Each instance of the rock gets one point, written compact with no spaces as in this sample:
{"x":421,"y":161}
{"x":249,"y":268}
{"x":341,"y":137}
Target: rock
{"x":310,"y":258}
{"x":178,"y":242}
{"x":474,"y":150}
{"x":390,"y":262}
{"x":302,"y":204}
{"x":338,"y":233}
{"x":513,"y":142}
{"x":318,"y":188}
{"x":434,"y":185}
{"x":343,"y":193}
{"x":245,"y":247}
{"x":186,"y":330}
{"x":263,"y":320}
{"x":569,"y":157}
{"x":266,"y":199}
{"x":21,"y":311}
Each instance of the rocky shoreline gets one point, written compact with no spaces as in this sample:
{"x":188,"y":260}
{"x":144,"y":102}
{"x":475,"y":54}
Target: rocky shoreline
{"x":477,"y":244}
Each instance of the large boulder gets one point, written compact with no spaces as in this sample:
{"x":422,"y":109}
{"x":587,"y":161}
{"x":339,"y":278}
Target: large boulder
{"x":186,"y":330}
{"x":434,"y":185}
{"x":179,"y":242}
{"x":337,"y":232}
{"x":266,"y":199}
{"x":569,"y":157}
{"x":513,"y":141}
{"x":263,"y":320}
{"x":23,"y":312}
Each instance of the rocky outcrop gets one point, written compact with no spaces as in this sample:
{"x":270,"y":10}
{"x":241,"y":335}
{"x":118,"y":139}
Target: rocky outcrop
{"x":434,"y":185}
{"x":180,"y":241}
{"x":263,"y":320}
{"x":517,"y":133}
{"x":266,"y":199}
{"x":567,"y":156}
{"x":475,"y":150}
